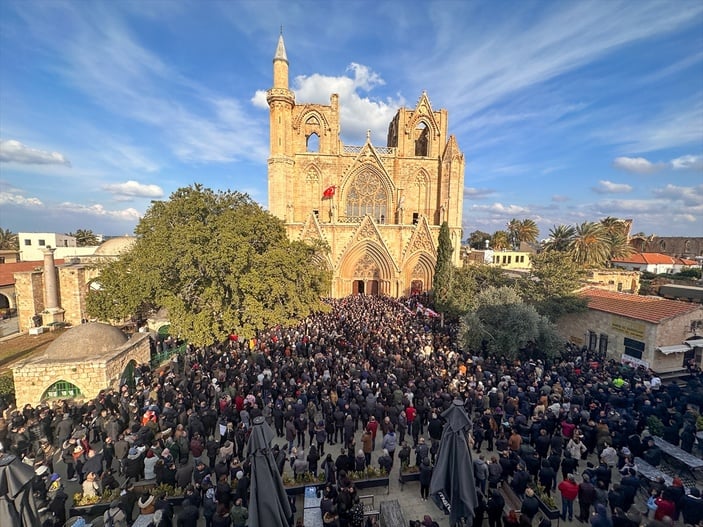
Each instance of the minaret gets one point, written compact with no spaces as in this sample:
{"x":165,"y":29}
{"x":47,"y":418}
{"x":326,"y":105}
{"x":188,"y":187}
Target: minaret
{"x":281,"y":101}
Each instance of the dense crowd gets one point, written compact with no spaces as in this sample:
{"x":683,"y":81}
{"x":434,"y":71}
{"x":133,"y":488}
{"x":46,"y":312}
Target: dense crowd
{"x":378,"y":370}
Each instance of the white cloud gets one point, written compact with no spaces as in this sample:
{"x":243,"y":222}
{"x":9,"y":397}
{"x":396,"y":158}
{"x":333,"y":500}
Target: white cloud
{"x":558,"y":198}
{"x":133,"y":188}
{"x":688,"y":162}
{"x":477,"y":193}
{"x":608,"y":187}
{"x":15,"y":198}
{"x":12,"y":151}
{"x":638,"y":165}
{"x":129,"y":214}
{"x":358,"y":113}
{"x":689,"y":196}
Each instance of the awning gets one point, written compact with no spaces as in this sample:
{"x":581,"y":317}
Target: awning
{"x":679,"y":348}
{"x":695,"y":343}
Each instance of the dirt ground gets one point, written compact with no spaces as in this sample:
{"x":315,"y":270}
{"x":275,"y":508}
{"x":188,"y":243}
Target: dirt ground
{"x":23,"y":346}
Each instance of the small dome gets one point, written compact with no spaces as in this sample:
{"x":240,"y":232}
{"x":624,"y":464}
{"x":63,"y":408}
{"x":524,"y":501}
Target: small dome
{"x":84,"y":342}
{"x":115,"y":246}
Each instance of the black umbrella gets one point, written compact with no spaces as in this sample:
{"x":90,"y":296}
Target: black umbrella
{"x":268,"y":504}
{"x":17,"y":507}
{"x":453,"y":476}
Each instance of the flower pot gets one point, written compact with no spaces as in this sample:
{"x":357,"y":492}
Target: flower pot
{"x":372,"y":482}
{"x":297,"y":490}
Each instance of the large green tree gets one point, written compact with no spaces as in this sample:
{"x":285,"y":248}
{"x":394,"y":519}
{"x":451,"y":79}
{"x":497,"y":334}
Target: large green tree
{"x":218,"y":263}
{"x":442,"y":282}
{"x":468,"y":281}
{"x":8,"y":239}
{"x":551,"y":283}
{"x":477,"y":239}
{"x":501,"y":323}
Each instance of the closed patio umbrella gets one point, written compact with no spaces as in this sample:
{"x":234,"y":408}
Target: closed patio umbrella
{"x":453,"y":475}
{"x":17,"y":507}
{"x":268,"y":504}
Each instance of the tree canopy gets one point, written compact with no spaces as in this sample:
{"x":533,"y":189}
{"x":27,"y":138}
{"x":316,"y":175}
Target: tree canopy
{"x":442,"y":282}
{"x":502,"y":323}
{"x":477,"y":239}
{"x":218,"y":263}
{"x":8,"y":239}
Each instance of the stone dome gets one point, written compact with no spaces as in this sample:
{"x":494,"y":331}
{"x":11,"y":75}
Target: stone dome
{"x":86,"y":342}
{"x":115,"y":246}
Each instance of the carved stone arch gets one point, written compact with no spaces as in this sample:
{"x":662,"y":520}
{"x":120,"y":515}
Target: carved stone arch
{"x":304,"y":116}
{"x":427,"y":119}
{"x":419,"y":266}
{"x":368,"y":260}
{"x":312,"y":173}
{"x":62,"y":378}
{"x":367,"y":190}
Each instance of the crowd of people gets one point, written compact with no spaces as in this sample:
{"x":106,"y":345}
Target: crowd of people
{"x":372,"y":376}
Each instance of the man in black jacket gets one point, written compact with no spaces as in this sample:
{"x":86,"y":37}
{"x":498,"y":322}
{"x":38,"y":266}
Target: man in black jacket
{"x":691,"y":506}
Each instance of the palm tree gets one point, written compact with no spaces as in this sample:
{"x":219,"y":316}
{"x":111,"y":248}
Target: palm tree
{"x":85,"y":237}
{"x":616,"y":231}
{"x":560,"y":237}
{"x":500,"y":240}
{"x":527,"y":231}
{"x":8,"y":239}
{"x":513,"y":228}
{"x":589,"y":246}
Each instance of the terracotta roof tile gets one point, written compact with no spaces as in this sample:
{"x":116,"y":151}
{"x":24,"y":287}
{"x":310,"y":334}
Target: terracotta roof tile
{"x":647,"y":308}
{"x":7,"y":270}
{"x":646,"y":258}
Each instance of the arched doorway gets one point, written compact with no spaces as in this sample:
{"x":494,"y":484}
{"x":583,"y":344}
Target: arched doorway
{"x":127,"y":376}
{"x":4,"y":302}
{"x":61,"y":389}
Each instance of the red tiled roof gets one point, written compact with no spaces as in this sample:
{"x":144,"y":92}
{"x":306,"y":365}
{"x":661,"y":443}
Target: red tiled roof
{"x":646,"y":258}
{"x":686,"y":261}
{"x":647,"y":308}
{"x":7,"y":270}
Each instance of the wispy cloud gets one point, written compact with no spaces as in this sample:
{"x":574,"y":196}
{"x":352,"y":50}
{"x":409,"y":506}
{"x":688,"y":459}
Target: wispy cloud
{"x":638,"y":165}
{"x":688,"y":162}
{"x":501,"y":60}
{"x":641,"y":165}
{"x":558,"y":198}
{"x":134,"y":189}
{"x":477,"y":193}
{"x":12,"y":151}
{"x":13,"y":197}
{"x":129,"y":214}
{"x":608,"y":187}
{"x":105,"y":60}
{"x":689,"y":196}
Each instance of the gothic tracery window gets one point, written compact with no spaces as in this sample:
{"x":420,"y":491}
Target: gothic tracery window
{"x":367,"y":195}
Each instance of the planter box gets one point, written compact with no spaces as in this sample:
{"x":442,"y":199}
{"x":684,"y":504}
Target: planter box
{"x":405,"y":477}
{"x":372,"y":482}
{"x":552,"y":514}
{"x":87,"y":511}
{"x":299,"y":490}
{"x":176,"y":501}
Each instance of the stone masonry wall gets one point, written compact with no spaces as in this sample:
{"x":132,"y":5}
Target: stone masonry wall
{"x":30,"y":297}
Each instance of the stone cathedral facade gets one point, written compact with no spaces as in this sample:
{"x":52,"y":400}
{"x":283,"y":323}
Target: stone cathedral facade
{"x":378,"y":208}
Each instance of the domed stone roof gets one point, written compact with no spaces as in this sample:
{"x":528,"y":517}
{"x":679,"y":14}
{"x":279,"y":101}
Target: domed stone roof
{"x":115,"y":246}
{"x":85,"y":342}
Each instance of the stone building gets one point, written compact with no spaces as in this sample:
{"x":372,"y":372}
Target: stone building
{"x":678,"y":246}
{"x":378,"y":208}
{"x":81,"y":362}
{"x":655,"y":332}
{"x":57,"y":290}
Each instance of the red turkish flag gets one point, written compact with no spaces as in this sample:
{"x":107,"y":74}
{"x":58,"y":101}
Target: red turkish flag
{"x":329,"y":192}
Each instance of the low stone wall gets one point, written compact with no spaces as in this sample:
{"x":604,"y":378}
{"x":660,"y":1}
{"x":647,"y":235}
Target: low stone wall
{"x":32,"y":378}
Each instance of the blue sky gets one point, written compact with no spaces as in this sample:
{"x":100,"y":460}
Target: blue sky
{"x":566,"y":111}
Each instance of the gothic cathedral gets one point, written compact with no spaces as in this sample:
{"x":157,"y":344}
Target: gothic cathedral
{"x":379,"y":208}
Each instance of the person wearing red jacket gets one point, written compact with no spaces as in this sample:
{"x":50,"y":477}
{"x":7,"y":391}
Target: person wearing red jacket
{"x":665,"y":507}
{"x":372,"y":427}
{"x":569,"y":491}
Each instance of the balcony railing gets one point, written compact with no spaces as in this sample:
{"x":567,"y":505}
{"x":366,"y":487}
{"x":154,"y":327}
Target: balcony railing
{"x":382,"y":150}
